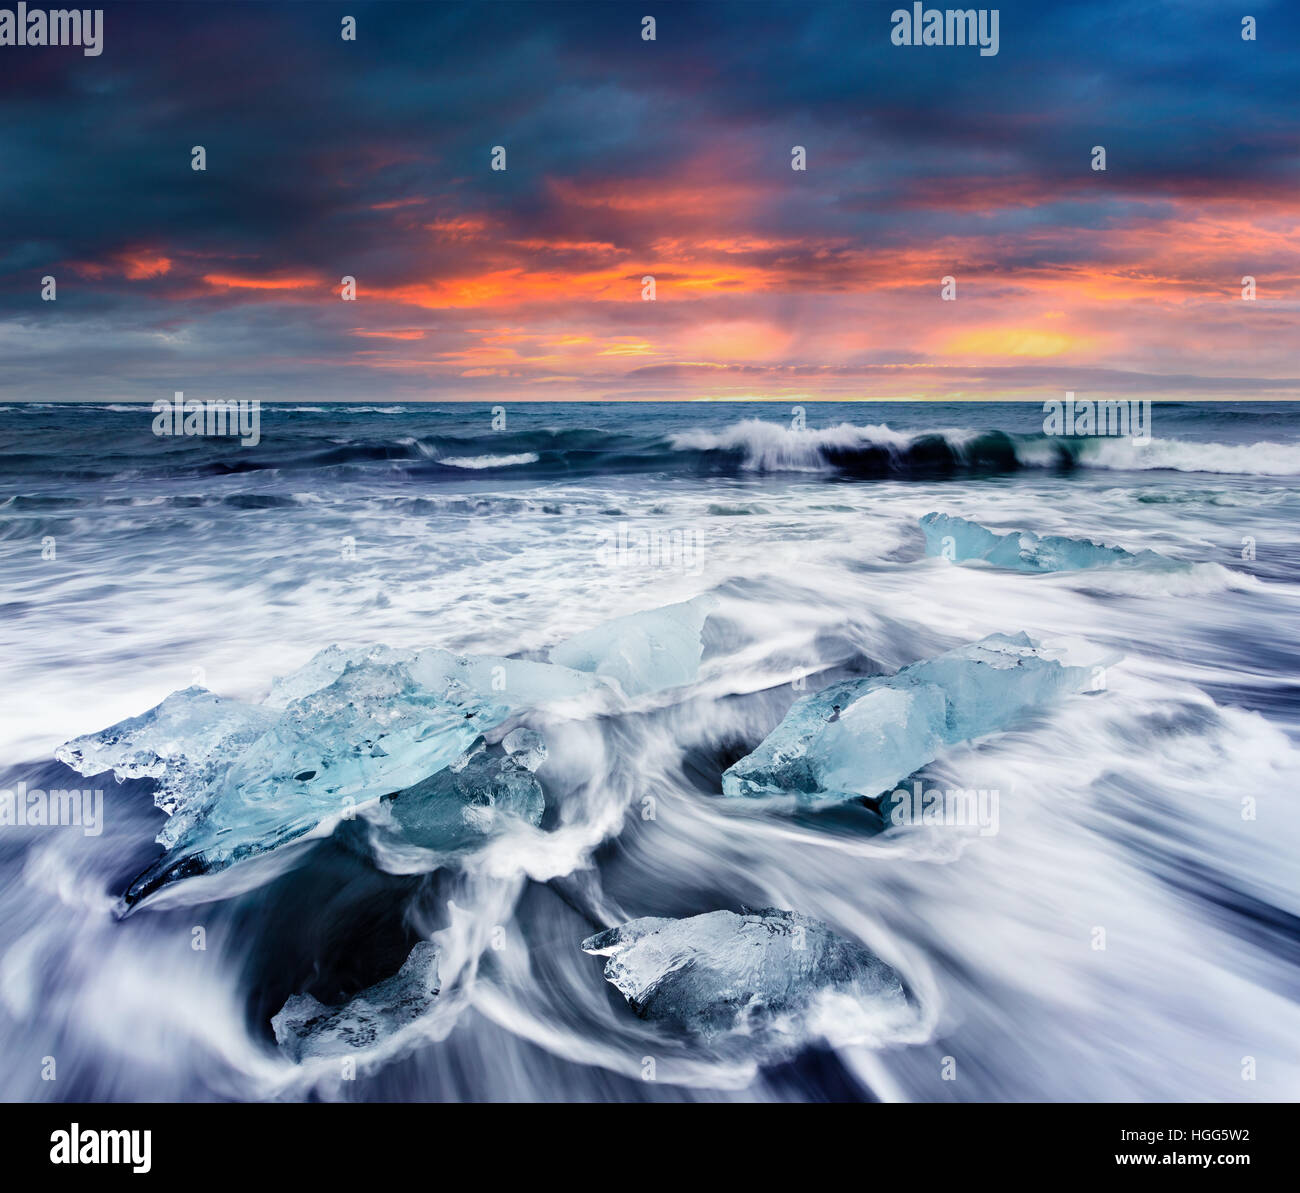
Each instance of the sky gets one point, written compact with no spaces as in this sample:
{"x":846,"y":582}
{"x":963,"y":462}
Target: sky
{"x":627,"y":159}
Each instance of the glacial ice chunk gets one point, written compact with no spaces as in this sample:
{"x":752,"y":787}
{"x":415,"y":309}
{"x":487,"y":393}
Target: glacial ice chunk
{"x":306,"y":1028}
{"x":185,"y":741}
{"x":352,"y":726}
{"x":862,"y":737}
{"x":722,"y":973}
{"x":474,"y":798}
{"x":963,"y":541}
{"x":527,"y":683}
{"x":645,"y":652}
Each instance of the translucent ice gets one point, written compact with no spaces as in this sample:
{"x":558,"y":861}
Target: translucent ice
{"x":306,"y":1028}
{"x":720,"y":973}
{"x":962,"y":541}
{"x":185,"y":742}
{"x":863,"y":736}
{"x":527,"y":683}
{"x":525,"y":747}
{"x":458,"y":808}
{"x":645,"y":652}
{"x":351,"y":726}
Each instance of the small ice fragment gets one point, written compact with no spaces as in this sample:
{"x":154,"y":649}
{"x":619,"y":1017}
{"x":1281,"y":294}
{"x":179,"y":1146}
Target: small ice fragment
{"x":962,"y":541}
{"x":863,"y":736}
{"x":306,"y":1028}
{"x":645,"y":652}
{"x":525,"y":747}
{"x":721,"y":973}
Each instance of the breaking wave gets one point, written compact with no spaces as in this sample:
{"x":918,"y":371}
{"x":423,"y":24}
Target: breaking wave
{"x":864,"y":450}
{"x":1242,"y":459}
{"x":477,"y":463}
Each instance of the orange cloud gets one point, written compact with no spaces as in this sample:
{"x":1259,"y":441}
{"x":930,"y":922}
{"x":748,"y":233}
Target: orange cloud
{"x":461,"y":227}
{"x":232,"y":281}
{"x":145,"y":264}
{"x":392,"y":204}
{"x":133,"y":264}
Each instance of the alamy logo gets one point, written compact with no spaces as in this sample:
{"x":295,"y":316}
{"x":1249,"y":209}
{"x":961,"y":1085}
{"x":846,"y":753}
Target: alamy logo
{"x":946,"y":27}
{"x":1124,"y":420}
{"x":60,"y":808}
{"x":242,"y":418}
{"x":679,"y":548}
{"x":953,"y":808}
{"x":82,"y":27}
{"x":75,"y":1146}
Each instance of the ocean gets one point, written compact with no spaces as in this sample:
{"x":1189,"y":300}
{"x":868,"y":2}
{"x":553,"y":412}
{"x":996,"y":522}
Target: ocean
{"x":1128,"y":933}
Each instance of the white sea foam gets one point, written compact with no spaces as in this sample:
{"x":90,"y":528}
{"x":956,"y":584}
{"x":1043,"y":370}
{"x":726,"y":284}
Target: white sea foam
{"x":773,"y":447}
{"x":1121,"y":810}
{"x":480,"y":462}
{"x":1254,"y":459}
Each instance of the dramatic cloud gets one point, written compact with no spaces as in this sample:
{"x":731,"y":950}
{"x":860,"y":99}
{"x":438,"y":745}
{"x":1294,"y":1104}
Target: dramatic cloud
{"x":670,"y":159}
